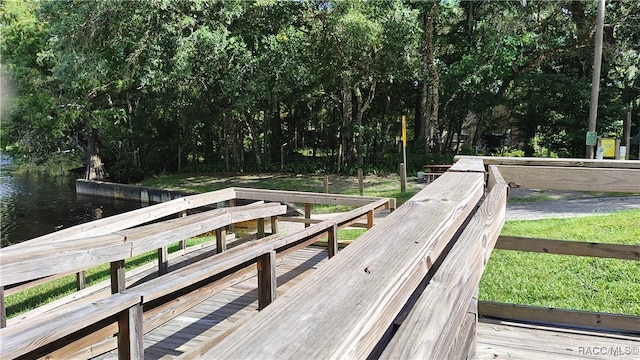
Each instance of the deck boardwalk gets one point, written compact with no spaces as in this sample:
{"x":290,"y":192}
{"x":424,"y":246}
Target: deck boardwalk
{"x":508,"y":340}
{"x":224,"y":310}
{"x":496,"y":340}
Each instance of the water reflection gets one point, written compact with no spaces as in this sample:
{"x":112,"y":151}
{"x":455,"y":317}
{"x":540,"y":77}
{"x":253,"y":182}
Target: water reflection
{"x":34,"y":205}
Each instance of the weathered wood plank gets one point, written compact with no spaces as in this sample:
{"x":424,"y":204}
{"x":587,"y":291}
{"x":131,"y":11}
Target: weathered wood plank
{"x":3,"y":309}
{"x":560,"y":162}
{"x":221,"y":240}
{"x":432,"y":326}
{"x":563,"y":247}
{"x":463,"y":347}
{"x":510,"y":340}
{"x":332,"y":241}
{"x":163,"y":260}
{"x":266,"y":265}
{"x":468,"y":164}
{"x":132,"y":218}
{"x":23,"y":338}
{"x":303,"y":197}
{"x":24,"y":264}
{"x":593,"y":320}
{"x":130,"y":344}
{"x":149,"y":237}
{"x":307,"y":213}
{"x":575,"y":179}
{"x":494,"y":178}
{"x":118,"y":276}
{"x":366,"y":284}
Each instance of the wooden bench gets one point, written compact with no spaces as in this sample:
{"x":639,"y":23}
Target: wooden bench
{"x":432,"y":172}
{"x":38,"y":337}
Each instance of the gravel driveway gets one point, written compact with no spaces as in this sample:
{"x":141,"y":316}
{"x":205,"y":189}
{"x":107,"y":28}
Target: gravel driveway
{"x":566,"y":204}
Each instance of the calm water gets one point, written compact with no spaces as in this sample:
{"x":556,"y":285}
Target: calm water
{"x":34,"y":205}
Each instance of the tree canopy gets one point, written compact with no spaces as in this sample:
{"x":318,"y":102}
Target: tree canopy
{"x":141,"y":87}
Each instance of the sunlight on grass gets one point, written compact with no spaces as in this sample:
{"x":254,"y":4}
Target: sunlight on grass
{"x":568,"y":282}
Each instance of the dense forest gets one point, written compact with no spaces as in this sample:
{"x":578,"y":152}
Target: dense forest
{"x":135,"y":88}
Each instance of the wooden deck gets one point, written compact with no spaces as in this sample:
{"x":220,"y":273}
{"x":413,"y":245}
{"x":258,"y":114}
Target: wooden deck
{"x":224,"y":310}
{"x":406,"y":289}
{"x":496,"y":339}
{"x":508,"y":340}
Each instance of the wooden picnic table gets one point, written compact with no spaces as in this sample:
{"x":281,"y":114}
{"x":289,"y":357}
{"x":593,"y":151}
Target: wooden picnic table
{"x":438,"y":168}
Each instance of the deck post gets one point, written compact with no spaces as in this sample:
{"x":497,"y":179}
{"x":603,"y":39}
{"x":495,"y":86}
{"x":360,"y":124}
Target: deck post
{"x":183,"y":243}
{"x":163,"y":260}
{"x":332,"y":240}
{"x":274,"y":225}
{"x":130,"y":334}
{"x":260,"y":226}
{"x":472,"y":313}
{"x":3,"y":309}
{"x":266,"y":279}
{"x":118,"y":281}
{"x":232,"y":227}
{"x":307,"y":213}
{"x":81,"y":280}
{"x":370,"y":215}
{"x":221,"y":240}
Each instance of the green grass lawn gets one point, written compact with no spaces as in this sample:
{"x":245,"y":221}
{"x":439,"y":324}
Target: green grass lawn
{"x":568,"y":282}
{"x":387,"y":185}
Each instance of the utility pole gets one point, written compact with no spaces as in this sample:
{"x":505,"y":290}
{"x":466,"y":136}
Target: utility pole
{"x":595,"y":80}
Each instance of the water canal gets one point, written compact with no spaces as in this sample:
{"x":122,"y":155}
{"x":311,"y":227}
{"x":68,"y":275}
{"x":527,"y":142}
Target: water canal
{"x":32,"y":205}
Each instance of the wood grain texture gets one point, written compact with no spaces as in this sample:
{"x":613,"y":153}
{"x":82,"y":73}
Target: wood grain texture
{"x":353,"y":298}
{"x":40,"y":260}
{"x":24,"y":264}
{"x":303,"y":197}
{"x":431,"y":328}
{"x":130,"y":344}
{"x":550,"y":316}
{"x":574,"y":179}
{"x":25,"y":337}
{"x":560,"y":162}
{"x":469,"y":164}
{"x":509,"y":340}
{"x":266,"y":265}
{"x":563,"y":247}
{"x":494,"y":178}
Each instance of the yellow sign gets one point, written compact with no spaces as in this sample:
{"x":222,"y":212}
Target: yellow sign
{"x":609,"y":146}
{"x":404,"y":130}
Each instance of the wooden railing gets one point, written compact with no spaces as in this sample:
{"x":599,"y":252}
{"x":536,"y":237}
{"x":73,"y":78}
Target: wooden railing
{"x":566,"y":174}
{"x":373,"y":298}
{"x":99,"y":242}
{"x":407,"y":288}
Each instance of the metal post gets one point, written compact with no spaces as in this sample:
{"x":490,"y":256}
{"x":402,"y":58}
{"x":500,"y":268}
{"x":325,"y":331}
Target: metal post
{"x":595,"y":80}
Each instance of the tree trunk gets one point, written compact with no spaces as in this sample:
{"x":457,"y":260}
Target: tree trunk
{"x":254,"y":139}
{"x":276,"y":131}
{"x":435,"y":84}
{"x":346,"y":133}
{"x":423,"y":133}
{"x":362,"y":106}
{"x":94,"y":169}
